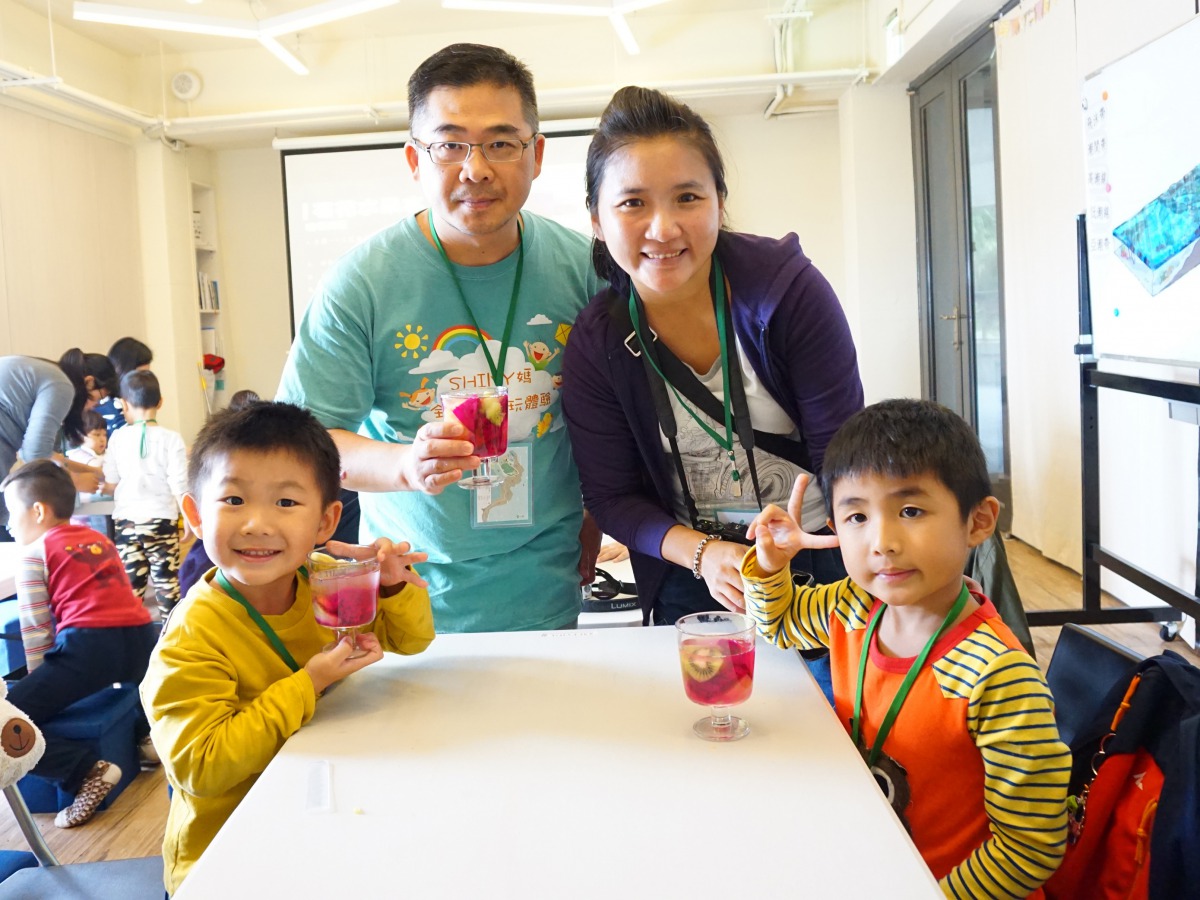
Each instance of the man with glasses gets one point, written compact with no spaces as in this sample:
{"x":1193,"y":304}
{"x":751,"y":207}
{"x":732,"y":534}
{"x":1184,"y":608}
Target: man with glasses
{"x":456,"y":297}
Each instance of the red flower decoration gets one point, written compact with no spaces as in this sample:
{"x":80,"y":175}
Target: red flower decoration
{"x":214,"y":363}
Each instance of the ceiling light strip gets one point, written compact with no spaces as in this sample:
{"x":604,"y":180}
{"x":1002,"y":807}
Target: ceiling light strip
{"x":164,"y":21}
{"x":321,"y":14}
{"x":282,"y":54}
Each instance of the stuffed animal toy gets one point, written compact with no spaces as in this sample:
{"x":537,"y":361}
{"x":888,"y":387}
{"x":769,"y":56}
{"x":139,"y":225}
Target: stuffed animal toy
{"x":21,"y":742}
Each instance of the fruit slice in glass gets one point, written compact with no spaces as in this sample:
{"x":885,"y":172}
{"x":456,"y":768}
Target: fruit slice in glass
{"x":716,"y":654}
{"x":483,"y":412}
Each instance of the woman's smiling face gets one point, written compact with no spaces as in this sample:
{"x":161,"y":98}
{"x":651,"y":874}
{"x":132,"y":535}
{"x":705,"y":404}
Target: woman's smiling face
{"x":658,"y":211}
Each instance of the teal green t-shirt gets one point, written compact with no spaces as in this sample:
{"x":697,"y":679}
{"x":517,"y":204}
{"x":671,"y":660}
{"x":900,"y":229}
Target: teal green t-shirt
{"x":384,"y":336}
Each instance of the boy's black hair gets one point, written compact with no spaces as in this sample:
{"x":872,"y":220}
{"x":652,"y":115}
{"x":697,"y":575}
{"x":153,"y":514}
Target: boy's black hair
{"x":43,"y":481}
{"x":140,"y":389}
{"x":127,"y":354}
{"x":466,"y":65}
{"x":902,"y":438}
{"x":93,"y":421}
{"x":264,"y":428}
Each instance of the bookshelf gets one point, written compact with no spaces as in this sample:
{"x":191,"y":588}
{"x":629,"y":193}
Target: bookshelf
{"x":208,"y":293}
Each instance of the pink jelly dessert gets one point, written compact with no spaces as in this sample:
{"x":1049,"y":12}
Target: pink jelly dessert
{"x":346,"y":602}
{"x":486,"y":421}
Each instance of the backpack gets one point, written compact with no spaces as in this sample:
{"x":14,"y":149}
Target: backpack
{"x":1135,"y":796}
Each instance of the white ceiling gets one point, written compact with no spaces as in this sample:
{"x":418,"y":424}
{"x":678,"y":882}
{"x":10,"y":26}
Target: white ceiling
{"x":407,"y":17}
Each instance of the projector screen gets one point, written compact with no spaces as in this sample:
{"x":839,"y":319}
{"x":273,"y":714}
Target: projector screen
{"x":338,"y":197}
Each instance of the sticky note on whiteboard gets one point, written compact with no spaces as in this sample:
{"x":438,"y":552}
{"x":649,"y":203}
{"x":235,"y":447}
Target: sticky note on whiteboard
{"x":1160,"y":243}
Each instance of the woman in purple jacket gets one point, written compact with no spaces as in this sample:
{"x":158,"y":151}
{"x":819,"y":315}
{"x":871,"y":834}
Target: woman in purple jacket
{"x":713,"y":369}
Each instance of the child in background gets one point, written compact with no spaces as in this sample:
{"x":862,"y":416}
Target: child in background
{"x":148,"y":465}
{"x":95,"y":441}
{"x":220,"y":697}
{"x":91,"y":453}
{"x":126,"y":355}
{"x":72,"y":576}
{"x":953,"y":717}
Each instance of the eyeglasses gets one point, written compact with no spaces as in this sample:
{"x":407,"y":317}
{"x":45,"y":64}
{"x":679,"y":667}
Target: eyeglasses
{"x":453,"y":153}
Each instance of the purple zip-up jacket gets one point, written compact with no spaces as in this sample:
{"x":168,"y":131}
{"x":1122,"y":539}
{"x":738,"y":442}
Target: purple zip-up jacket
{"x":792,"y":329}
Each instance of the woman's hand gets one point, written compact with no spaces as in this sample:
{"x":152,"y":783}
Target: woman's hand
{"x":721,"y":569}
{"x":86,"y":482}
{"x":611,"y":551}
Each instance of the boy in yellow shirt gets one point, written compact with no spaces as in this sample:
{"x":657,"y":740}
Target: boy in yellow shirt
{"x":221,"y":700}
{"x":951,"y":714}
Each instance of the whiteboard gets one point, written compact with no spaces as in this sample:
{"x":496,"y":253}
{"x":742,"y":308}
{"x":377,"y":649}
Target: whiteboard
{"x":338,"y":197}
{"x":1142,"y":150}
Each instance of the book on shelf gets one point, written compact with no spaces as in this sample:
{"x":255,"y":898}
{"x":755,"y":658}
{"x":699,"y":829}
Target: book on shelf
{"x":210,"y":300}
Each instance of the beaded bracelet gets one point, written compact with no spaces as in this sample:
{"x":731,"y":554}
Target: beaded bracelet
{"x":700,"y":550}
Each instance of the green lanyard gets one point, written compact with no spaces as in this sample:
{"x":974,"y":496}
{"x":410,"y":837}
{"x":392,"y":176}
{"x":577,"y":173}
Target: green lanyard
{"x":266,"y":629}
{"x":497,"y":368}
{"x":717,"y":291}
{"x":905,"y":685}
{"x":144,"y":423}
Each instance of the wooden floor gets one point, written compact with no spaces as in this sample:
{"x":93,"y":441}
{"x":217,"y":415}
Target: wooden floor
{"x":133,"y":826}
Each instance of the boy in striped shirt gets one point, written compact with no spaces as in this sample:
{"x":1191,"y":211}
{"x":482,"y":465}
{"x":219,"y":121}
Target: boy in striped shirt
{"x":952,"y":716}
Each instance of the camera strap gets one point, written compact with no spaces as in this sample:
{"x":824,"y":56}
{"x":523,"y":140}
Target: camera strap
{"x":664,"y":369}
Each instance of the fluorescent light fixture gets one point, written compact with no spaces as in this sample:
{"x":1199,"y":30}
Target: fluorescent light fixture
{"x":282,"y":54}
{"x":321,"y":14}
{"x":163,"y":21}
{"x":615,"y":12}
{"x":551,"y":9}
{"x":264,"y":31}
{"x":621,"y":27}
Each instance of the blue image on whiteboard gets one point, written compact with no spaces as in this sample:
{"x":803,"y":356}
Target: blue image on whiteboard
{"x":1161,"y":241}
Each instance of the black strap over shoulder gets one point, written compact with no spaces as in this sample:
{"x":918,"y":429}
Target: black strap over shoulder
{"x":686,"y":382}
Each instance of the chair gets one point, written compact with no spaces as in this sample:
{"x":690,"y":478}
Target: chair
{"x":1082,"y":671}
{"x":107,"y":720}
{"x":114,"y":879}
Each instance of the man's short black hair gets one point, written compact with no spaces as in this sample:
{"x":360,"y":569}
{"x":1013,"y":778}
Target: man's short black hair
{"x":466,"y":65}
{"x":268,"y":427}
{"x":903,"y":438}
{"x":140,"y":389}
{"x":43,"y":481}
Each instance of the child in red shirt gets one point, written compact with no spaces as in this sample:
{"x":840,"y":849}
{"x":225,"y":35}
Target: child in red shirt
{"x":82,"y":626}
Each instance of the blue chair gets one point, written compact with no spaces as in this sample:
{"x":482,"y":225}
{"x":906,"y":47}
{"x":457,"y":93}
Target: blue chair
{"x":114,"y":879}
{"x":108,"y":721}
{"x":12,"y":651}
{"x":13,"y":860}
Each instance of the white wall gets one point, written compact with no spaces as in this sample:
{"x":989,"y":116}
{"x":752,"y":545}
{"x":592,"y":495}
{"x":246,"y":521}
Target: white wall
{"x":1148,"y":478}
{"x":70,"y":254}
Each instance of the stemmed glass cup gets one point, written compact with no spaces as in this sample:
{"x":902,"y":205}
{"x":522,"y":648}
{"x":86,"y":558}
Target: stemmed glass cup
{"x":716,"y":653}
{"x":484,"y":413}
{"x":345,"y":594}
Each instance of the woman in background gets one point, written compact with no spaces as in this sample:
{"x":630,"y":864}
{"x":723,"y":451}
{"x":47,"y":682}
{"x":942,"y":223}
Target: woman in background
{"x":41,"y":410}
{"x":125,"y":355}
{"x":694,"y":310}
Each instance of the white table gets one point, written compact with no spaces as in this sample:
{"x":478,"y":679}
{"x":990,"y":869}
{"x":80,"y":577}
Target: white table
{"x":561,"y":765}
{"x":9,"y":555}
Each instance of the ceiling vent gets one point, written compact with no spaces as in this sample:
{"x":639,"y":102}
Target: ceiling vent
{"x":186,"y":85}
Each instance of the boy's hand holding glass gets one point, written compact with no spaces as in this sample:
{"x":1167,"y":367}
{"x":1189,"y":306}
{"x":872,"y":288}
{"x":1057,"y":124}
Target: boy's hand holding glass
{"x":778,"y":536}
{"x":395,"y":562}
{"x":345,"y":658}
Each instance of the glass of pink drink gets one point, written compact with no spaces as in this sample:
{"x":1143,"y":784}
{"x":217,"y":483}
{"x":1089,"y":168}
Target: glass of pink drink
{"x":484,"y":413}
{"x":345,"y":592}
{"x":716,"y":653}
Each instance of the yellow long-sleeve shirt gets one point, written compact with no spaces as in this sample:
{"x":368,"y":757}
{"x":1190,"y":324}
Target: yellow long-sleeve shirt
{"x":221,"y":701}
